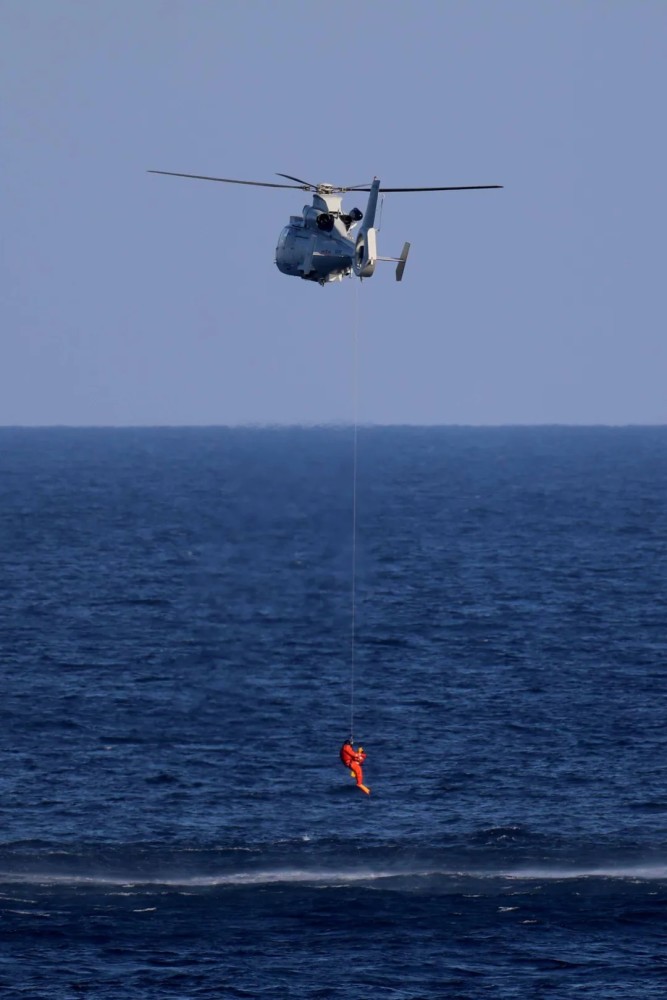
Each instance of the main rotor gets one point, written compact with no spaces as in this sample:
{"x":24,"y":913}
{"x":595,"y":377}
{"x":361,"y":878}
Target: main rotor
{"x":324,"y":189}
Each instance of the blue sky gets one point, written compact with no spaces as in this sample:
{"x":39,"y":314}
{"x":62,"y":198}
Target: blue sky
{"x":133,"y":299}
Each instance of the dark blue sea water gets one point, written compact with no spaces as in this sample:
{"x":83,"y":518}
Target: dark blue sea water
{"x":175,"y":616}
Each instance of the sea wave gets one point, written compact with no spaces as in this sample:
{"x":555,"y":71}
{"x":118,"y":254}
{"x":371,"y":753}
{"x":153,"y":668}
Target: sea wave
{"x":392,"y":878}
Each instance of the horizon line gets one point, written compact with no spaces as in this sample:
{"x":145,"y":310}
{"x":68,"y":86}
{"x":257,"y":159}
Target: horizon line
{"x":331,"y":425}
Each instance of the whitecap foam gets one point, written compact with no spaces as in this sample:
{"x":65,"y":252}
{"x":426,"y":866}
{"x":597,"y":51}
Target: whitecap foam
{"x":640,"y":872}
{"x":337,"y":877}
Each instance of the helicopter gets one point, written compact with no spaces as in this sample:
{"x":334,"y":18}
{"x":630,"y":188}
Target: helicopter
{"x":325,"y":243}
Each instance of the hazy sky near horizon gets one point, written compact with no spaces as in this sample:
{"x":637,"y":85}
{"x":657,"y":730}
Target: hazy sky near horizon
{"x":134,"y":299}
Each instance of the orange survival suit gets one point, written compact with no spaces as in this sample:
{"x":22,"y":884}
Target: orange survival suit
{"x":353,"y":759}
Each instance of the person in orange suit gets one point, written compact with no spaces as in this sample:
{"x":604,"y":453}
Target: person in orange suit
{"x":354,"y":759}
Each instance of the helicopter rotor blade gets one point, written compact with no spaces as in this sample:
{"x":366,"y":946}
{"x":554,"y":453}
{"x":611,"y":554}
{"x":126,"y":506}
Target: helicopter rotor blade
{"x":335,"y":188}
{"x":464,"y":187}
{"x":299,"y":179}
{"x":229,"y":180}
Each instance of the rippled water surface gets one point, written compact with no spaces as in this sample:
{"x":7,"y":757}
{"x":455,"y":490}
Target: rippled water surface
{"x":175,"y":619}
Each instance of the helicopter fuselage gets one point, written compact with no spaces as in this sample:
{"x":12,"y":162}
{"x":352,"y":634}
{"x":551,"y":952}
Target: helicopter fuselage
{"x":317,"y":245}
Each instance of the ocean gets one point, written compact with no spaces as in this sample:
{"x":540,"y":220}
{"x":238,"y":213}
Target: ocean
{"x":179,"y":672}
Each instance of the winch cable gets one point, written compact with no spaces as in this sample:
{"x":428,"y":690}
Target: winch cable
{"x":355,"y":451}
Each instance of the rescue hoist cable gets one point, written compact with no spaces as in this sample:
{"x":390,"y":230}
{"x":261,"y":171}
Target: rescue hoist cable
{"x":355,"y":398}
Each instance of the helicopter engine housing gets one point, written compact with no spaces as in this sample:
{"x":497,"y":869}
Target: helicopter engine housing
{"x":316,"y":219}
{"x":325,"y":222}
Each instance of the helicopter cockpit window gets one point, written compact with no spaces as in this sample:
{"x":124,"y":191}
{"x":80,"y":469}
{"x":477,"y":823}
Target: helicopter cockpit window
{"x":283,"y":237}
